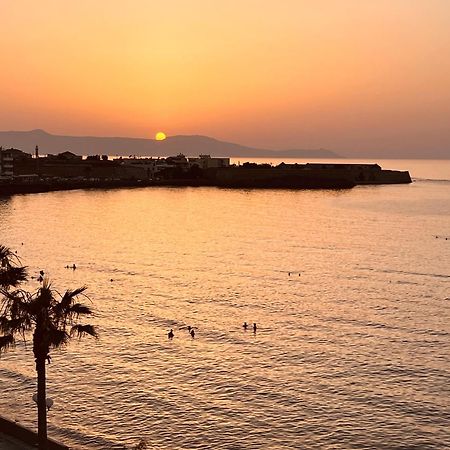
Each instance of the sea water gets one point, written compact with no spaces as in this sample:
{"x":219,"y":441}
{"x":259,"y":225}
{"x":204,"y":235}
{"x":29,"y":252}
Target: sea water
{"x":349,"y":290}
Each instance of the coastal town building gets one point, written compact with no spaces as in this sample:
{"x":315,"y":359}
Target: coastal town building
{"x":14,"y":162}
{"x":153,"y":167}
{"x":6,"y":164}
{"x":206,"y":162}
{"x":66,"y":156}
{"x":179,"y":161}
{"x":145,"y":167}
{"x":8,"y":159}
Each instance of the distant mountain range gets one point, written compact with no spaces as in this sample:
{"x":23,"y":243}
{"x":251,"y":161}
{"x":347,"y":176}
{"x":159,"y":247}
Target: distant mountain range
{"x":188,"y":145}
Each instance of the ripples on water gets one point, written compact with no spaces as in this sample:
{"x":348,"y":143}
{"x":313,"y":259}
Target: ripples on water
{"x":353,"y":353}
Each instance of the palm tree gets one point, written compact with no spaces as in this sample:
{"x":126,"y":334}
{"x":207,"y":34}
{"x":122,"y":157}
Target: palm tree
{"x":50,"y":317}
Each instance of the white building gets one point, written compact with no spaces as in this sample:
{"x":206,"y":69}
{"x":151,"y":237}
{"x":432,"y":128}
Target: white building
{"x":150,"y":167}
{"x":6,"y":163}
{"x":206,"y":162}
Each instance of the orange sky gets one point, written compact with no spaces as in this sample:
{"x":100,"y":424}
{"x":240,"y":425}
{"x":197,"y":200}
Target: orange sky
{"x":340,"y":74}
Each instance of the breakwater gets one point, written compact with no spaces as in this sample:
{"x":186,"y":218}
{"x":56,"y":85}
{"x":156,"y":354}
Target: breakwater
{"x":67,"y":185}
{"x":309,"y":176}
{"x":250,"y":176}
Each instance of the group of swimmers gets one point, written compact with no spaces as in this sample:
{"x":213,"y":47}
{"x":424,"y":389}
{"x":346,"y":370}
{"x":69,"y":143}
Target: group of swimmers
{"x":245,"y":326}
{"x":40,"y":278}
{"x":191,"y":331}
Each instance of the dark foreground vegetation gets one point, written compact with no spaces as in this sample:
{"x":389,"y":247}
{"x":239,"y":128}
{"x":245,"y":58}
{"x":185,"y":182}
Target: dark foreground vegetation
{"x":43,"y":316}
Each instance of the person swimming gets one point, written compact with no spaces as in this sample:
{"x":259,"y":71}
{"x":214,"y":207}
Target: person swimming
{"x":245,"y":326}
{"x":192,"y":332}
{"x":254,"y":327}
{"x":170,"y":334}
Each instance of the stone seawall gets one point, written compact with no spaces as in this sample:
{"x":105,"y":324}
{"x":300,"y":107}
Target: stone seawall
{"x":26,"y":435}
{"x":309,"y":176}
{"x":270,"y":178}
{"x":253,"y":176}
{"x":389,"y":177}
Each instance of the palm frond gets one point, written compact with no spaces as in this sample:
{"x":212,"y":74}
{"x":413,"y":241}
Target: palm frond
{"x":11,"y":273}
{"x":4,"y":251}
{"x":57,"y":337}
{"x":14,"y":303}
{"x":12,"y":276}
{"x":4,"y":321}
{"x":78,"y":309}
{"x":6,"y":255}
{"x":68,"y":298}
{"x":16,"y":325}
{"x":7,"y":341}
{"x":82,"y":330}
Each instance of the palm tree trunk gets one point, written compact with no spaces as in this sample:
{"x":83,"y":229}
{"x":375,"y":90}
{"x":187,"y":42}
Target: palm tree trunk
{"x":41,"y":403}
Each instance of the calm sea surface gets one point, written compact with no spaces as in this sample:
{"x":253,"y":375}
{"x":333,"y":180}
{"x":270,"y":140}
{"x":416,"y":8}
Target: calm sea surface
{"x":352,"y":349}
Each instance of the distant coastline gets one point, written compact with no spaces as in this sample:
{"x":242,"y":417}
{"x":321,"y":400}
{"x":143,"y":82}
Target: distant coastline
{"x":188,"y":145}
{"x":191,"y":145}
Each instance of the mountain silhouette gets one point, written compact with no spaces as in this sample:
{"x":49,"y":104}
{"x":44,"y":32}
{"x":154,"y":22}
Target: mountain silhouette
{"x":188,"y":145}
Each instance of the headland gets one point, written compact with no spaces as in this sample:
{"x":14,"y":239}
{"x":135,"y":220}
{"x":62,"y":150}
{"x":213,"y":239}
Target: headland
{"x":21,"y":173}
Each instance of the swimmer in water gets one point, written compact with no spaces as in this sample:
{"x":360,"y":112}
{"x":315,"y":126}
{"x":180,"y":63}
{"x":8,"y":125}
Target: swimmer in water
{"x":170,"y":334}
{"x":245,"y":326}
{"x":254,"y":327}
{"x":192,"y":332}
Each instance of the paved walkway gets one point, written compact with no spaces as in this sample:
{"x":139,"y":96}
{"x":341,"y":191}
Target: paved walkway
{"x":9,"y":443}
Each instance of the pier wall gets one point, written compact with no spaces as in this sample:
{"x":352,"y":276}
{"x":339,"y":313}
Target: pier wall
{"x":26,"y":435}
{"x":352,"y":174}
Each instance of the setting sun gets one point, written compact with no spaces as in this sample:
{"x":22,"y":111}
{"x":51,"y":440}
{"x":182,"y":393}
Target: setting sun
{"x":160,"y":136}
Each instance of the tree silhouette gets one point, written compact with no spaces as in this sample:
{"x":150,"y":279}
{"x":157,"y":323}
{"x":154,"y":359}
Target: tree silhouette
{"x":51,"y":318}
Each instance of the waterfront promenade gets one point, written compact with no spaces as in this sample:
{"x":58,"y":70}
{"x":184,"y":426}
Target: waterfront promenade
{"x":9,"y":443}
{"x":13,"y":435}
